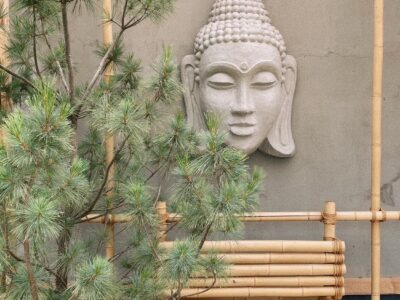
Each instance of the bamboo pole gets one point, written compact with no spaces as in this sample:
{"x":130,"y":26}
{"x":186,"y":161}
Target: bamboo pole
{"x":297,"y":281}
{"x":281,"y":258}
{"x":376,"y":147}
{"x":263,"y":292}
{"x":5,"y":101}
{"x":110,"y":143}
{"x":329,"y":219}
{"x":280,"y":270}
{"x":347,"y":216}
{"x":162,"y":215}
{"x":269,"y":246}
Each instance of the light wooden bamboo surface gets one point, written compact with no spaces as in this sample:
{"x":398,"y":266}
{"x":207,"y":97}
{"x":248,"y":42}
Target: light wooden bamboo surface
{"x":269,"y":246}
{"x":265,"y":292}
{"x":295,"y":281}
{"x":367,"y":216}
{"x":282,"y":258}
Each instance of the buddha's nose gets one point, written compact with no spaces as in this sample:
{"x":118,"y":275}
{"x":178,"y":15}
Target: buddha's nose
{"x":243,"y":103}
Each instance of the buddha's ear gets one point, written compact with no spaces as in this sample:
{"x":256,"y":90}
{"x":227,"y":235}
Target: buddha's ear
{"x":190,"y":93}
{"x":280,"y":141}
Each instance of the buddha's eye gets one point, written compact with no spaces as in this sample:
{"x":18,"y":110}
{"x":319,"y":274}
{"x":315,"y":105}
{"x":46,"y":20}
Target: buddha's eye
{"x":221,"y":81}
{"x":264,"y":80}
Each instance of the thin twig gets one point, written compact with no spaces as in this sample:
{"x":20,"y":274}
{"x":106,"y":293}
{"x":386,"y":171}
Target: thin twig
{"x":59,"y":68}
{"x":205,"y":290}
{"x":35,"y":55}
{"x":105,"y":180}
{"x":19,"y":77}
{"x":68,"y":50}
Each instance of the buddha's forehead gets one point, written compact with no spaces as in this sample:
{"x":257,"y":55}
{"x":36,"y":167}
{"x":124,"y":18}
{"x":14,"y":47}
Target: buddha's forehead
{"x":239,"y":53}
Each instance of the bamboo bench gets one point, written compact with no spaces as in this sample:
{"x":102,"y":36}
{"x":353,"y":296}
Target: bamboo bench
{"x":275,"y":269}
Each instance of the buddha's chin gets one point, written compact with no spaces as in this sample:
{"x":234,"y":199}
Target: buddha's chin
{"x":248,"y":144}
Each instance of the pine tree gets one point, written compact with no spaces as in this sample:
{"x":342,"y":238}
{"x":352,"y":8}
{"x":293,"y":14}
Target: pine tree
{"x":50,"y":184}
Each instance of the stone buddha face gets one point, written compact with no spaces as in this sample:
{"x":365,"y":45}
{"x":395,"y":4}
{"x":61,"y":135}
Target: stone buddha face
{"x":247,"y":79}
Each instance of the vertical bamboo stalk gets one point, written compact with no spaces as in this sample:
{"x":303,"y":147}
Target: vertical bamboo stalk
{"x":5,"y":101}
{"x":376,"y":148}
{"x":163,"y":216}
{"x":329,"y":219}
{"x":107,"y":40}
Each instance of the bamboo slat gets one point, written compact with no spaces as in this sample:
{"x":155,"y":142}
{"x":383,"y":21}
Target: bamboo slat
{"x":264,"y":292}
{"x":282,"y":258}
{"x":270,"y":246}
{"x":281,"y":270}
{"x":299,"y":281}
{"x":347,"y":216}
{"x":376,"y":164}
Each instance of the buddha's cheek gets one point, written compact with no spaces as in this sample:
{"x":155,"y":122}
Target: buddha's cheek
{"x":217,"y":102}
{"x":268,"y":105}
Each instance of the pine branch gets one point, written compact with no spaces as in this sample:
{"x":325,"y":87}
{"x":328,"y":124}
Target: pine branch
{"x":20,"y":259}
{"x":67,"y":41}
{"x":35,"y":55}
{"x":102,"y":65}
{"x":19,"y":77}
{"x":104,"y":183}
{"x":205,"y":290}
{"x":59,"y":68}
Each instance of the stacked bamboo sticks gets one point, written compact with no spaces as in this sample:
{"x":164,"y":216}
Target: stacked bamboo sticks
{"x":273,"y":268}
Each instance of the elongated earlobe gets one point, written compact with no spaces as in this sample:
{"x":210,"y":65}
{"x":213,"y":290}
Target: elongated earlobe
{"x":193,"y":112}
{"x":280,"y":140}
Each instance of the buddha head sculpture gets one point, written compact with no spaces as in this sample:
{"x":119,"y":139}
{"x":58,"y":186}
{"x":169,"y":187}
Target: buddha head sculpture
{"x":241,"y":72}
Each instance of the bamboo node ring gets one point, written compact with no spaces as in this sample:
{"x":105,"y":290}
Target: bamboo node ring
{"x":337,"y":246}
{"x":329,"y":219}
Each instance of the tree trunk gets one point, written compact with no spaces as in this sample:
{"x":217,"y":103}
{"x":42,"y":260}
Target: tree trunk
{"x":62,"y":271}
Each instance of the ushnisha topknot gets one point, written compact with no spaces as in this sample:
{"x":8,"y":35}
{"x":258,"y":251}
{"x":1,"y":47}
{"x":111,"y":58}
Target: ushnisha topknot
{"x":238,"y":21}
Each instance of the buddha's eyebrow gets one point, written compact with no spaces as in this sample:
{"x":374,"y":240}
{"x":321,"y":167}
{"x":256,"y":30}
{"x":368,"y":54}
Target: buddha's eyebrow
{"x":265,"y":65}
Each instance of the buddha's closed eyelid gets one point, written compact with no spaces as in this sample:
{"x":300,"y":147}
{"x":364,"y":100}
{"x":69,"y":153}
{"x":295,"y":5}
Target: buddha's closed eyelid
{"x":264,"y":80}
{"x":221,"y":81}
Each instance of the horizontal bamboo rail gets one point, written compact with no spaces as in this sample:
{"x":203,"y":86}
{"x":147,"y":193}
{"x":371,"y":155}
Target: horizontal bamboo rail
{"x":299,"y":281}
{"x":280,"y":270}
{"x":269,"y":246}
{"x":264,"y":292}
{"x":268,"y":217}
{"x":281,"y":258}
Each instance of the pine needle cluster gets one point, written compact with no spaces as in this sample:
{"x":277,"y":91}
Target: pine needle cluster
{"x":52,"y":180}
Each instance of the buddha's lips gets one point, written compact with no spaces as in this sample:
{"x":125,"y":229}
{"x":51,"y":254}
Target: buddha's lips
{"x":242,"y":128}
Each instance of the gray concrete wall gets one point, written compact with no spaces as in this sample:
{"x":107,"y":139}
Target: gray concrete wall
{"x":332,"y":42}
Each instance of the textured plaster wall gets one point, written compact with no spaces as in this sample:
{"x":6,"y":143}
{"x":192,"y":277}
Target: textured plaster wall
{"x":332,"y":42}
